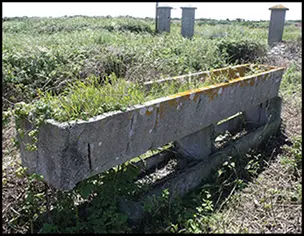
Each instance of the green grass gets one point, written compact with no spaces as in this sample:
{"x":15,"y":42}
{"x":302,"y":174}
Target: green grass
{"x":84,"y":100}
{"x":48,"y":53}
{"x":291,"y":83}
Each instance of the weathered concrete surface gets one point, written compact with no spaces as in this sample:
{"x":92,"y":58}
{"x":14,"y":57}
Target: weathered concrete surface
{"x":29,"y":159}
{"x":163,"y":19}
{"x":49,"y":159}
{"x":193,"y":176}
{"x":73,"y":151}
{"x":233,"y":72}
{"x":256,"y":115}
{"x":188,"y":21}
{"x":196,"y":146}
{"x":263,"y":113}
{"x":233,"y":124}
{"x":276,"y":26}
{"x":199,"y":145}
{"x":154,"y":161}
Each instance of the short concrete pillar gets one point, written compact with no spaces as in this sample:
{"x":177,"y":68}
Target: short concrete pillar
{"x":276,"y":26}
{"x":188,"y":21}
{"x":163,"y":19}
{"x":267,"y":111}
{"x":196,"y":146}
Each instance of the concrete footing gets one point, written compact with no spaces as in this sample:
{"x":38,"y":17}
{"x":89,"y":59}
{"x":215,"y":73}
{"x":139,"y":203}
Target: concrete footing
{"x":196,"y":146}
{"x":192,"y":176}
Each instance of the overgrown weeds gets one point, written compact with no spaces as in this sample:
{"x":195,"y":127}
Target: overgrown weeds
{"x":35,"y":60}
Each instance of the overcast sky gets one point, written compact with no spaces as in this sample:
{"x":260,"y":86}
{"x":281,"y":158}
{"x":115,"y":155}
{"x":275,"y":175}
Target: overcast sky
{"x":214,"y":10}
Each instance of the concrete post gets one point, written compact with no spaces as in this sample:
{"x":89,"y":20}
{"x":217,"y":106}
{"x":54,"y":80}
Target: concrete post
{"x":163,"y":19}
{"x":276,"y":25}
{"x":188,"y":21}
{"x":156,"y":17}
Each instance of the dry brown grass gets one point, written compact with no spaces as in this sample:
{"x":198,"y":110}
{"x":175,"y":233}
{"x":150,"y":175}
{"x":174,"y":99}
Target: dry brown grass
{"x":270,"y":204}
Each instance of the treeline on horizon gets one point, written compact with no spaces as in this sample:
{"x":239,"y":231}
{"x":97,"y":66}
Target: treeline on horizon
{"x":202,"y":20}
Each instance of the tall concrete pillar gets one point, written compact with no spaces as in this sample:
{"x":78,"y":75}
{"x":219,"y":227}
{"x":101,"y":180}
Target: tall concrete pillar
{"x":163,"y":19}
{"x":276,"y":26}
{"x":188,"y":21}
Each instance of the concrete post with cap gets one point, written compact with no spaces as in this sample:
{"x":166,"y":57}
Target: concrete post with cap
{"x":276,"y":26}
{"x":163,"y":19}
{"x":188,"y":21}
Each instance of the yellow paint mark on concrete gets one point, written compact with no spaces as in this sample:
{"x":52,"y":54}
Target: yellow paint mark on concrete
{"x":212,"y":91}
{"x":252,"y":82}
{"x":173,"y":102}
{"x":196,"y":96}
{"x":162,"y":108}
{"x":130,"y":115}
{"x":148,"y":113}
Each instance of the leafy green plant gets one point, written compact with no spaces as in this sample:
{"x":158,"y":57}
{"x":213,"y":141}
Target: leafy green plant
{"x":51,"y":53}
{"x":91,"y":207}
{"x":292,"y":78}
{"x":241,"y":51}
{"x":295,"y":160}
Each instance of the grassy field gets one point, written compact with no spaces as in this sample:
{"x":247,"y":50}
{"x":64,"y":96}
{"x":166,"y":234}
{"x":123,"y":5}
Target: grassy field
{"x":47,"y":54}
{"x":260,"y":192}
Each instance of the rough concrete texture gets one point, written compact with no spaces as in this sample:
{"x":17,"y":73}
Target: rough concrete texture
{"x":154,"y":161}
{"x":263,"y":113}
{"x":181,"y":184}
{"x":188,"y":21}
{"x":196,"y":146}
{"x":256,"y":115}
{"x":29,"y":159}
{"x":73,"y":151}
{"x":163,"y":19}
{"x":235,"y":123}
{"x":202,"y":75}
{"x":276,"y":26}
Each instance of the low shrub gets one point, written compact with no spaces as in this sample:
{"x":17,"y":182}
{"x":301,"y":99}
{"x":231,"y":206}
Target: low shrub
{"x":241,"y":51}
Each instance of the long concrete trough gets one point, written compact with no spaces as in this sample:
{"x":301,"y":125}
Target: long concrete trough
{"x":69,"y":152}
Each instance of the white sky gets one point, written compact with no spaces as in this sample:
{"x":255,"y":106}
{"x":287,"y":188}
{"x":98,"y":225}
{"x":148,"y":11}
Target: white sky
{"x":214,"y":10}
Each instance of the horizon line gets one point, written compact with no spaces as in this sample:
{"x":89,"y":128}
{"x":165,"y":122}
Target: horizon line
{"x":128,"y":16}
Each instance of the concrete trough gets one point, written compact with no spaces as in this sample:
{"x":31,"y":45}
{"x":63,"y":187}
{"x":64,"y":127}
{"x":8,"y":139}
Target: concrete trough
{"x":70,"y":152}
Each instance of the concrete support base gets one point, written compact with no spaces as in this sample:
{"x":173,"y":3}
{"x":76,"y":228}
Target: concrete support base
{"x":263,"y":113}
{"x":192,"y":176}
{"x":256,"y":116}
{"x":197,"y":145}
